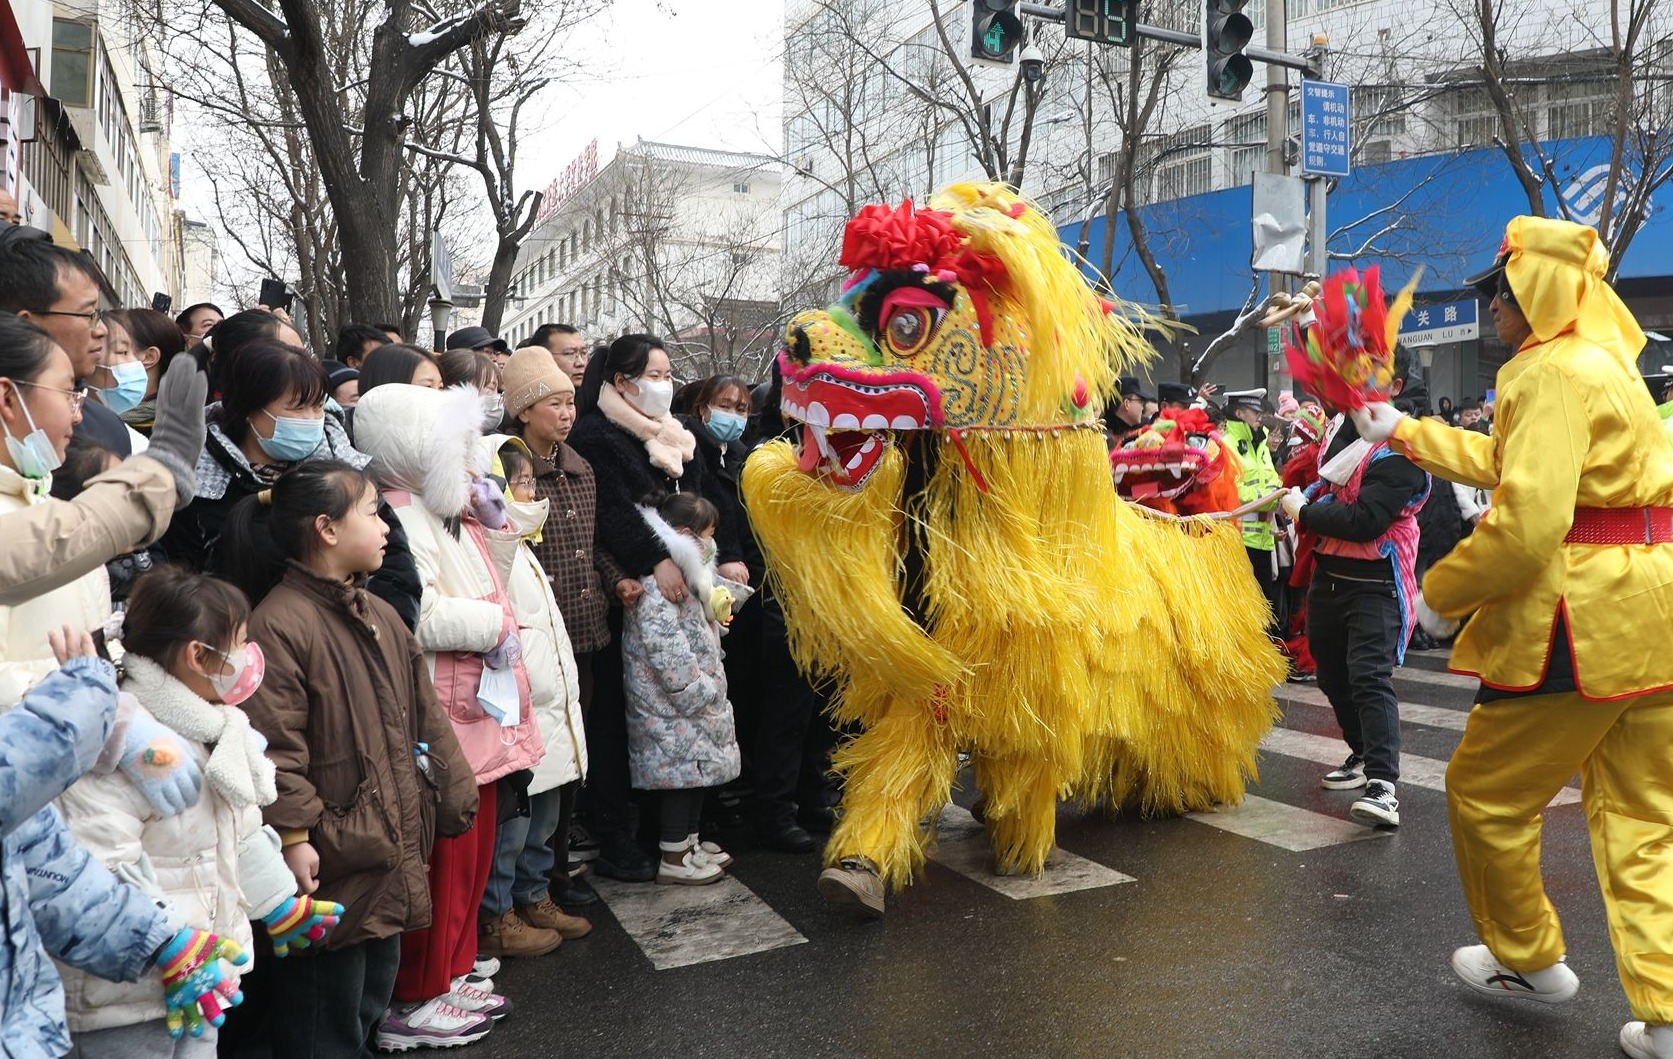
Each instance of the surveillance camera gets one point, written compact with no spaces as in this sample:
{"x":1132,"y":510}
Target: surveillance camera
{"x":1033,"y":65}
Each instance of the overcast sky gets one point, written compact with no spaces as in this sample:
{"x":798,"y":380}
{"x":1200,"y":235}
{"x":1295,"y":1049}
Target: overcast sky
{"x":702,"y":73}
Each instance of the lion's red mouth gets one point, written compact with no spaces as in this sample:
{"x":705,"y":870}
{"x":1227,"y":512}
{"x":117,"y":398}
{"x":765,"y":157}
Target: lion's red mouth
{"x":848,"y":417}
{"x":1160,"y":474}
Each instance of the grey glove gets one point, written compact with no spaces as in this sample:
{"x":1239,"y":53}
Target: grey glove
{"x":177,"y":436}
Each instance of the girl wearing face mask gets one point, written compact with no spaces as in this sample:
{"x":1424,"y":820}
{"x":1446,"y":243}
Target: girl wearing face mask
{"x":467,"y":367}
{"x":119,"y":382}
{"x":188,"y":663}
{"x":39,"y":409}
{"x":636,"y":449}
{"x":369,"y":771}
{"x":156,"y":340}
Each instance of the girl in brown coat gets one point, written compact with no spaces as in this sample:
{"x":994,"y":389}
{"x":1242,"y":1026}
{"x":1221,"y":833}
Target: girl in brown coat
{"x":369,"y":771}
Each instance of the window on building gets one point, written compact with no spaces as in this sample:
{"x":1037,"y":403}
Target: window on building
{"x":1179,"y":165}
{"x":72,"y":62}
{"x":1578,"y":109}
{"x":740,"y":187}
{"x":1375,"y":152}
{"x":1245,"y":138}
{"x":1377,"y":110}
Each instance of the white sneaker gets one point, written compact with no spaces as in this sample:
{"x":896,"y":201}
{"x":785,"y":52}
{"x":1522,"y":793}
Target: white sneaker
{"x":1377,"y":807}
{"x":689,"y":871}
{"x":484,"y":967}
{"x":1479,"y":970}
{"x":1647,"y":1042}
{"x":433,"y":1024}
{"x":482,"y":1000}
{"x":709,"y":852}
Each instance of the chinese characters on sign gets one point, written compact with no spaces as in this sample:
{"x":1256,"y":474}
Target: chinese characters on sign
{"x":1324,"y":128}
{"x":577,"y":173}
{"x":1438,"y":325}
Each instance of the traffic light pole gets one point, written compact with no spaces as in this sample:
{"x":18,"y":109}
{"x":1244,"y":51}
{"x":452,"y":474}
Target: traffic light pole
{"x":1305,"y":63}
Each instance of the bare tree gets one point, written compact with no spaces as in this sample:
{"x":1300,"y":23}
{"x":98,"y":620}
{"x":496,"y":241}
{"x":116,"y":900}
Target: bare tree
{"x":349,"y":69}
{"x":700,"y":272}
{"x":1541,"y":89}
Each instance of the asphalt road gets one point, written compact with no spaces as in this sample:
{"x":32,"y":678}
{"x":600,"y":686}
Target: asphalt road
{"x":1279,"y":929}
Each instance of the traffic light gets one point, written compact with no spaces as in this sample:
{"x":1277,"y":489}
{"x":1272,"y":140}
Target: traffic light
{"x":995,"y":30}
{"x":1226,"y":31}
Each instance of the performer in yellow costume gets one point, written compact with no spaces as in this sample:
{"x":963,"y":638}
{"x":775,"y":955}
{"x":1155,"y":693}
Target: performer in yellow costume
{"x":950,"y":551}
{"x":1568,"y":582}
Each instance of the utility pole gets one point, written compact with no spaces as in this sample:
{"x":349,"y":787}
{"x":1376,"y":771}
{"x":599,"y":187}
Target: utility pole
{"x":1277,"y":161}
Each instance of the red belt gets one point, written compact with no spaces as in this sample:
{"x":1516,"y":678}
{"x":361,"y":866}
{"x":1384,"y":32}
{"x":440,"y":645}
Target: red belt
{"x":1621,"y":525}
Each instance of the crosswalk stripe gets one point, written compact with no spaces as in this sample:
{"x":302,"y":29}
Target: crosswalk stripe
{"x":1437,"y":678}
{"x":1285,"y":826}
{"x":677,"y":926}
{"x":1415,"y":712}
{"x":962,"y":845}
{"x":1415,"y":770}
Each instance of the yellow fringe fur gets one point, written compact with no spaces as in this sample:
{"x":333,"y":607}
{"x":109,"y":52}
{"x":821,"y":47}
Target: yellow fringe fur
{"x":1074,"y":646}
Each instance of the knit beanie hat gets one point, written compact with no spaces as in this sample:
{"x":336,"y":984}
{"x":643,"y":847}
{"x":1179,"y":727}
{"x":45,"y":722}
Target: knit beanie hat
{"x":529,"y":375}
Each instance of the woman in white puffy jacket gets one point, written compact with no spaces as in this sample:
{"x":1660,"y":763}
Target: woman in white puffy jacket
{"x":518,"y":888}
{"x":187,"y":663}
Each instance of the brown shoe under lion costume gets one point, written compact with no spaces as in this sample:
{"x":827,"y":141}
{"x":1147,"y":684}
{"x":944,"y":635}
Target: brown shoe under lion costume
{"x":950,"y":551}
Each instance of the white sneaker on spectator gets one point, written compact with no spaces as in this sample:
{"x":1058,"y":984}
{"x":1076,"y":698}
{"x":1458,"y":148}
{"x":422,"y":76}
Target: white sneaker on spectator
{"x":474,"y":998}
{"x":689,"y":871}
{"x":710,"y":852}
{"x":432,"y":1024}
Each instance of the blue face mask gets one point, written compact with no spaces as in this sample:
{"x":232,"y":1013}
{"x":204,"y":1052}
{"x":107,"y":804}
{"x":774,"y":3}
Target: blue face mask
{"x":725,"y":426}
{"x":33,"y":456}
{"x":294,"y":438}
{"x":131,"y":384}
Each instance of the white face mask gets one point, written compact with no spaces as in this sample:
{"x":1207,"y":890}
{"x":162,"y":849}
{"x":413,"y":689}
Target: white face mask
{"x":654,"y":398}
{"x":493,"y":410}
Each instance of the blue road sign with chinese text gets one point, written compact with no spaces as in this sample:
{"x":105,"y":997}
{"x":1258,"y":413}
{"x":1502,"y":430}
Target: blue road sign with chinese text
{"x":1440,"y":324}
{"x":1324,"y":128}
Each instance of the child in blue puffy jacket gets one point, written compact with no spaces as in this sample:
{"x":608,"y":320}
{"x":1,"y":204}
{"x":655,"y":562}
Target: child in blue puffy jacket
{"x":54,"y":898}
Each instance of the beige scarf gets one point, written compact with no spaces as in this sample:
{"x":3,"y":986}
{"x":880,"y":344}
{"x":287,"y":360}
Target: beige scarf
{"x":238,"y":767}
{"x":668,"y":444}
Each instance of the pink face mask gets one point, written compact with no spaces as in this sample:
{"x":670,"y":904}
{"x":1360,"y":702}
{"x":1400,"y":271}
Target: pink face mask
{"x":248,"y":667}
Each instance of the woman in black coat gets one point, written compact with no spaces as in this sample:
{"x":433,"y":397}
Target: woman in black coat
{"x":637,"y":450}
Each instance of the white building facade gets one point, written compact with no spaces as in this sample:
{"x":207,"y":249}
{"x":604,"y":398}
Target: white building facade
{"x":681,"y":242}
{"x":89,"y":159}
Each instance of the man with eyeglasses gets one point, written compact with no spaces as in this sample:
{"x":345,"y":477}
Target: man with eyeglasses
{"x":57,"y":289}
{"x":567,"y":346}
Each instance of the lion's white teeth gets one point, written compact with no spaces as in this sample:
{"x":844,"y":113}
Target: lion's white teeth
{"x":817,"y":415}
{"x":876,"y":422}
{"x":845,"y":421}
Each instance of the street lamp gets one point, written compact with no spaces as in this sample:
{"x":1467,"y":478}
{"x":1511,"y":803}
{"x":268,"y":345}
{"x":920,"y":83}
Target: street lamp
{"x":441,"y":317}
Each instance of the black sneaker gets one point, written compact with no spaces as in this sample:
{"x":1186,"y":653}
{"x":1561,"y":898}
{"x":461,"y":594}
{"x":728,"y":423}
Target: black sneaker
{"x":1377,"y":807}
{"x":619,"y":857}
{"x":1351,"y":776}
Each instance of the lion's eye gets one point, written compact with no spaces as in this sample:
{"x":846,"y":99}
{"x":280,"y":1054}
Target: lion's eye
{"x":909,"y":326}
{"x":1197,"y":441}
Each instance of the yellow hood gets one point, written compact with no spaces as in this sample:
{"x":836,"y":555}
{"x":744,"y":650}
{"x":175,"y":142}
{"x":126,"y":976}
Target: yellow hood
{"x":1556,"y":269}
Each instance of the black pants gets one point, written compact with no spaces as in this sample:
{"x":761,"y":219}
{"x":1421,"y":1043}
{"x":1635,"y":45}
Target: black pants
{"x":1260,"y":561}
{"x":682,"y":814}
{"x":604,"y":800}
{"x":1354,"y":629}
{"x":781,"y":733}
{"x":326,"y":1004}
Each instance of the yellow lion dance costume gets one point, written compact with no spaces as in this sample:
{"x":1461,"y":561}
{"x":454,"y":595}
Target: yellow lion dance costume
{"x":950,"y":551}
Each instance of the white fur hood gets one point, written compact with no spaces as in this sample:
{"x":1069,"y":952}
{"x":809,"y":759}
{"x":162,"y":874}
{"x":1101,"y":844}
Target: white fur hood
{"x":422,"y":441}
{"x":688,"y":556}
